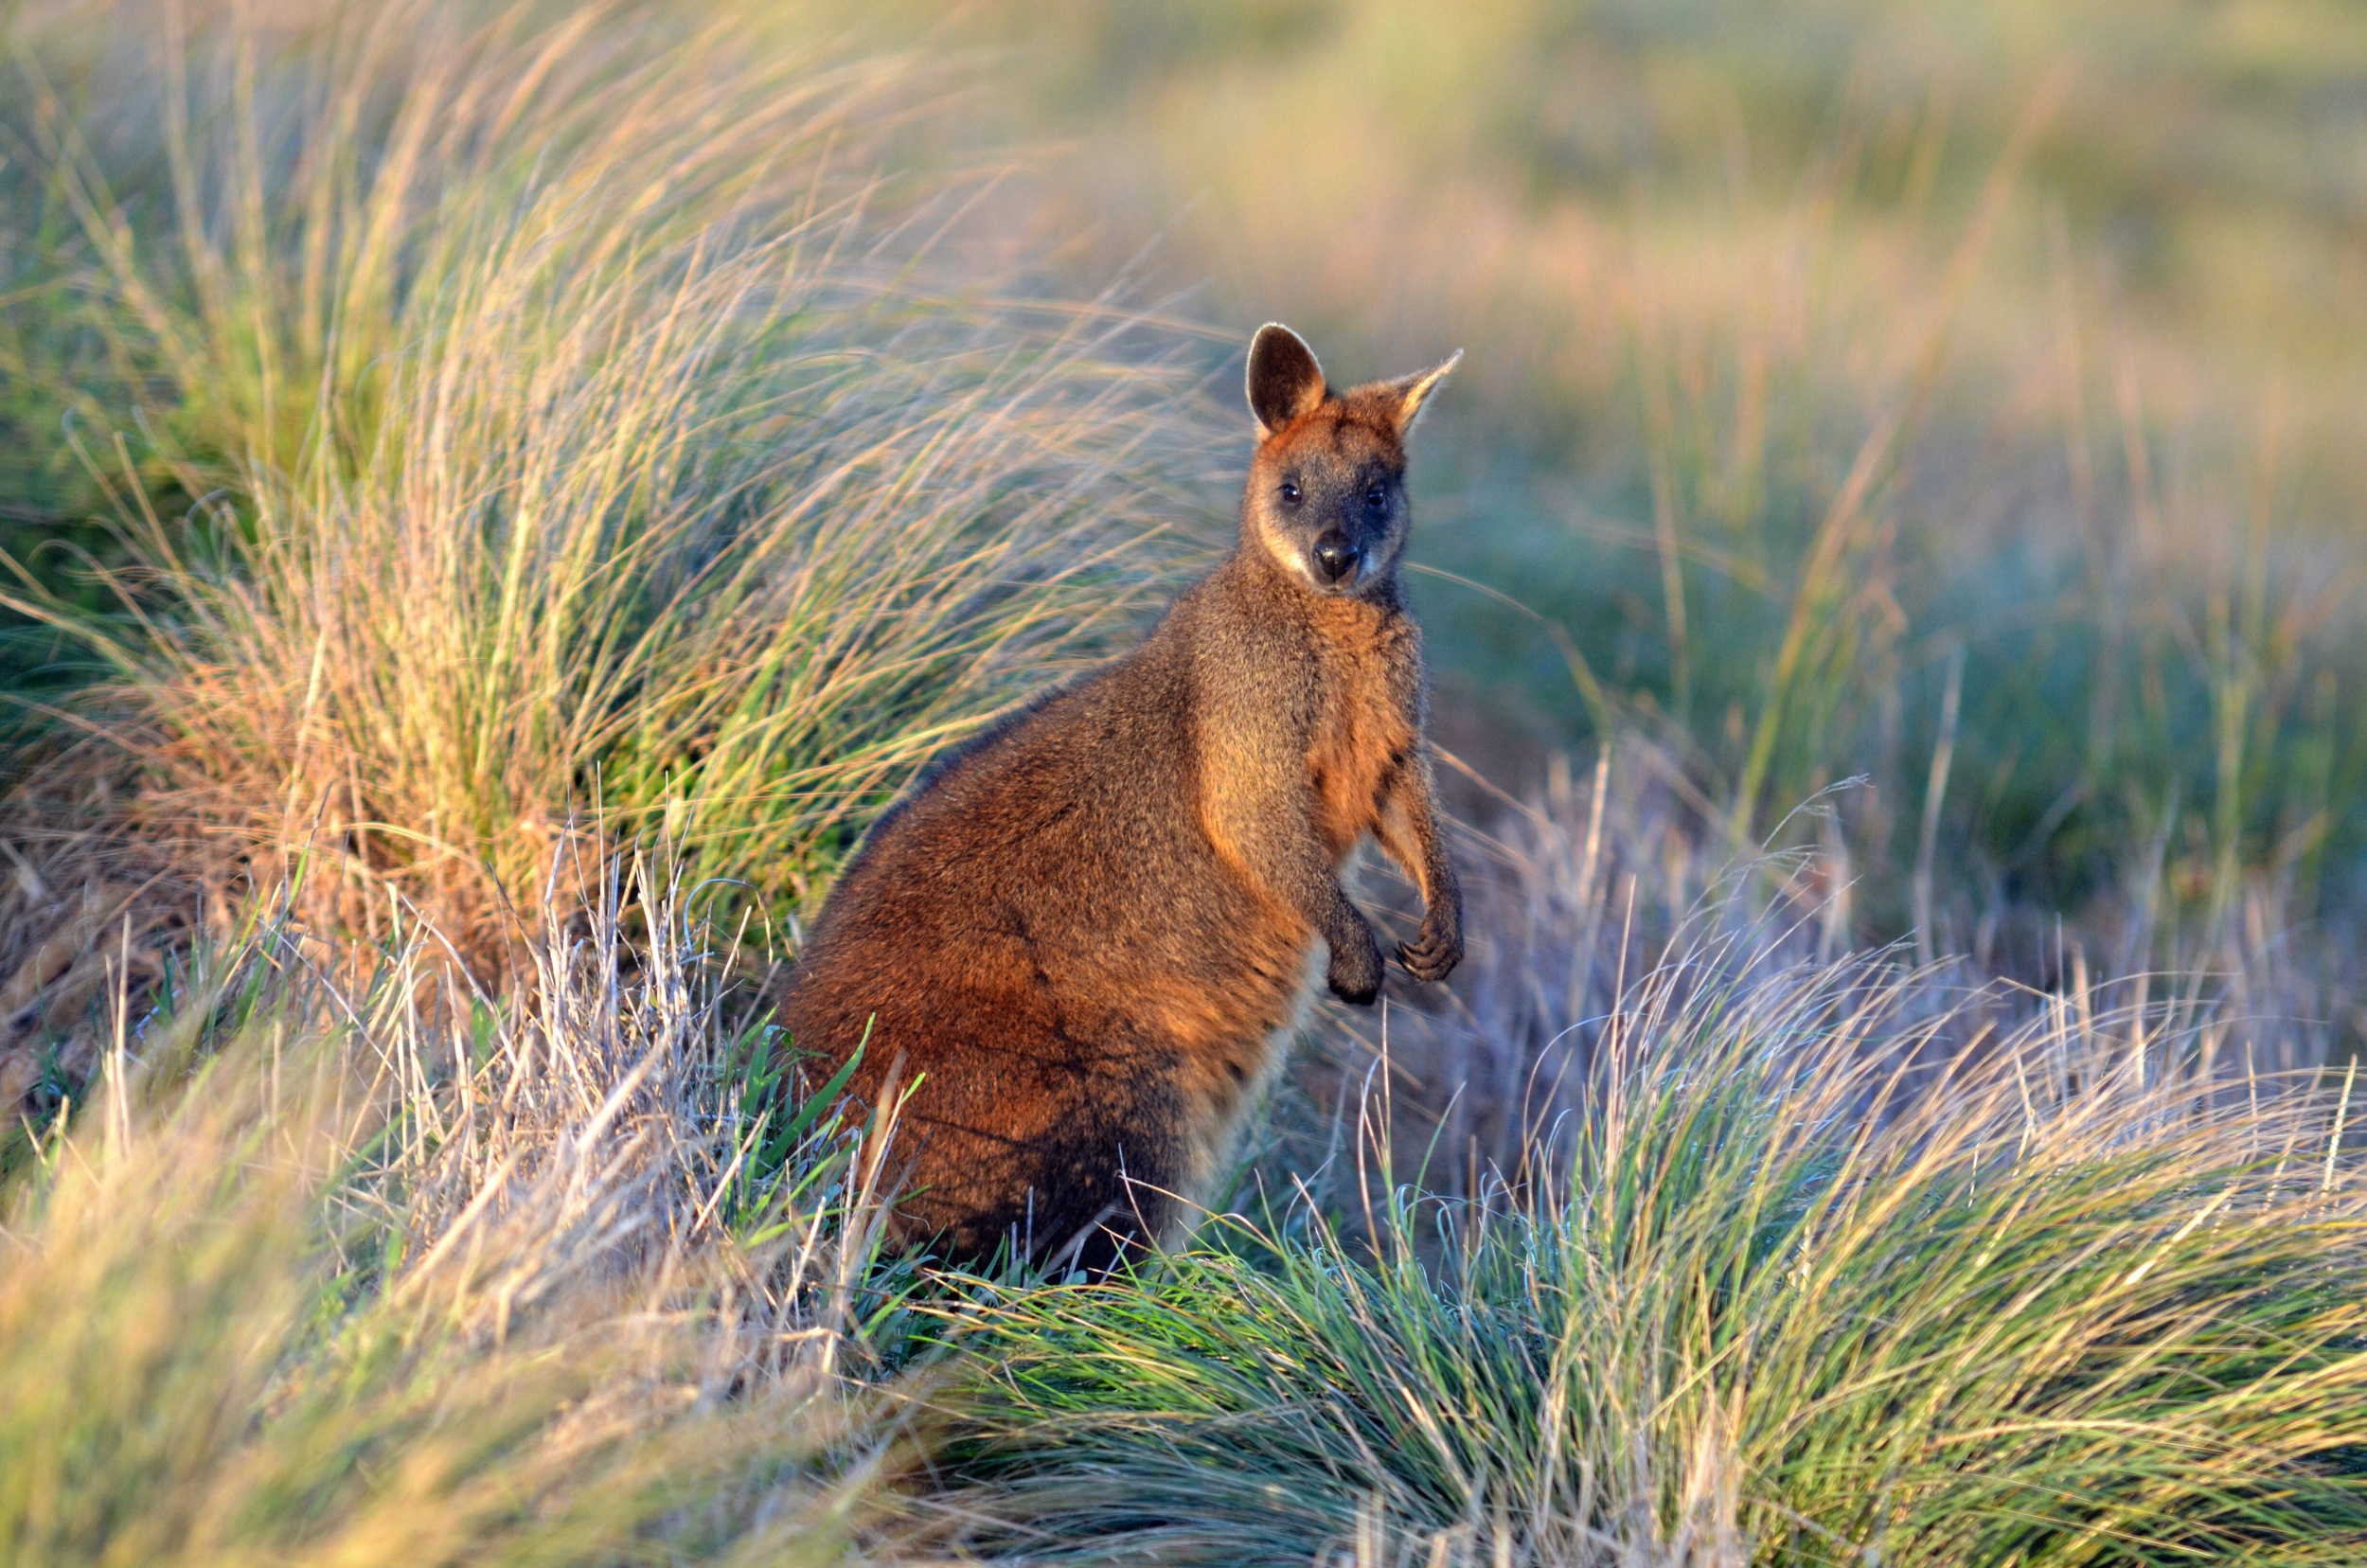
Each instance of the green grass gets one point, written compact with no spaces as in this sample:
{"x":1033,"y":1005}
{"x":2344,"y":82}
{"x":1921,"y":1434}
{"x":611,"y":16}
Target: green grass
{"x":547,"y":453}
{"x":1792,"y":1291}
{"x":368,"y":1274}
{"x":1824,"y":1267}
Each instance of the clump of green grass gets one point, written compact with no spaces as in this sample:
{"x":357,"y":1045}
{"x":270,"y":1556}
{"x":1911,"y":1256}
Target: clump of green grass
{"x":1792,"y":1287}
{"x":386,"y":1273}
{"x":578,"y":414}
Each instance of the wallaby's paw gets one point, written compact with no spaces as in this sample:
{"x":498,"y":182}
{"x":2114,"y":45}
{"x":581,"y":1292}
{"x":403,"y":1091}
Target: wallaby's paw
{"x":1434,"y":951}
{"x":1353,"y":974}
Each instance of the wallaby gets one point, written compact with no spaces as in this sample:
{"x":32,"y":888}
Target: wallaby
{"x":1087,"y":935}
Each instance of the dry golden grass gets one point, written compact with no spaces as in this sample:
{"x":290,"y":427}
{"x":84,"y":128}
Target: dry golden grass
{"x":565,"y":414}
{"x":381,"y":1274}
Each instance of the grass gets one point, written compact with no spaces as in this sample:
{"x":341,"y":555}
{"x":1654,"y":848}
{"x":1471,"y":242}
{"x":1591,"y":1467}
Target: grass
{"x":496,"y":497}
{"x":385,"y":1275}
{"x":543,"y":454}
{"x":1824,"y":1265}
{"x":1694,"y":1234}
{"x":1792,"y":1288}
{"x":1793,"y":1304}
{"x":1586,"y":887}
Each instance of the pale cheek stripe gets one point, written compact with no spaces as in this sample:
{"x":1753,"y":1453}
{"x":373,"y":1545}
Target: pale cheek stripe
{"x":1288,"y":557}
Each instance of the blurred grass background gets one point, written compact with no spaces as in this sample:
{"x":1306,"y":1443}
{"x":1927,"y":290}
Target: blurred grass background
{"x":1824,"y":357}
{"x":1826,"y":360}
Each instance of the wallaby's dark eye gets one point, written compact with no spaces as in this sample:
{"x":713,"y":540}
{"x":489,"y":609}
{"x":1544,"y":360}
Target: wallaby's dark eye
{"x":1290,"y":493}
{"x":1377,"y":498}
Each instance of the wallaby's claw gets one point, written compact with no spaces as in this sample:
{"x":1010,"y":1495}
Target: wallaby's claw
{"x":1431,"y":956}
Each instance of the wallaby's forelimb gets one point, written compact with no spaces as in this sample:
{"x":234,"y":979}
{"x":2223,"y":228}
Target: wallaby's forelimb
{"x":1408,"y":832}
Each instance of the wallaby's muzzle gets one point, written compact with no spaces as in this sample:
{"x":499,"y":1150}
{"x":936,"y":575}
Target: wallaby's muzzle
{"x":1336,"y":559}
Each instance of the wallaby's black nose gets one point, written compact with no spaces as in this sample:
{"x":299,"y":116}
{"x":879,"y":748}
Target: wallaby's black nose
{"x":1335,"y":558}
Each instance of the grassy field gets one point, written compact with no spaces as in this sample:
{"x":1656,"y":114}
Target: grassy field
{"x":493,"y":498}
{"x":1824,"y":356}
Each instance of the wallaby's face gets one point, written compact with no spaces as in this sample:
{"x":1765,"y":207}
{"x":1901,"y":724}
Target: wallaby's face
{"x":1326,"y":488}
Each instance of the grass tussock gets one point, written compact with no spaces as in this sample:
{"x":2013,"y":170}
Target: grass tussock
{"x":328,"y":1277}
{"x":572,"y":412}
{"x":1788,"y":1289}
{"x":1588,"y":887}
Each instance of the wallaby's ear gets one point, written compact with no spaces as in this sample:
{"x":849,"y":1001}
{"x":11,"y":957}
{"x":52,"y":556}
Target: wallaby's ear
{"x":1283,"y":380}
{"x":1413,"y":391}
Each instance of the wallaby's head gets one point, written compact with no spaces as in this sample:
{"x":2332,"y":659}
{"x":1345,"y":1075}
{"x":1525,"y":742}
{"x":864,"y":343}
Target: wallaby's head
{"x":1326,"y":489}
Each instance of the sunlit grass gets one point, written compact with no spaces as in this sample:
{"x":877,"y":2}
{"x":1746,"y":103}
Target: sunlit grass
{"x":1815,"y":1266}
{"x":526,"y":432}
{"x":578,"y":413}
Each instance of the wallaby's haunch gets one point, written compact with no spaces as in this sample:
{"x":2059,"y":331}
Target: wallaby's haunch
{"x":1088,"y":932}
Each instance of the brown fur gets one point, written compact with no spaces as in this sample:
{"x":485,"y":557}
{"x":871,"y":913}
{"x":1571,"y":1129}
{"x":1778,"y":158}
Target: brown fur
{"x":1087,"y":932}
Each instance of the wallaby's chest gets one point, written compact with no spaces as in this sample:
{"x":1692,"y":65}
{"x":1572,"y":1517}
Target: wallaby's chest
{"x":1365,"y":728}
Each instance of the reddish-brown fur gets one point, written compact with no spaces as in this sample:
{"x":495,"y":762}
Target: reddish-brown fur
{"x":1086,"y":933}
